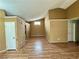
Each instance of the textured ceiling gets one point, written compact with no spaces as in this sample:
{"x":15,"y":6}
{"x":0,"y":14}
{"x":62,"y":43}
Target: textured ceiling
{"x":32,"y":9}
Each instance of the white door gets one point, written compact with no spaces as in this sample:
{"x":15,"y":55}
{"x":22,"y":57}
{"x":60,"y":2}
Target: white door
{"x":74,"y":32}
{"x":71,"y":31}
{"x":10,"y":35}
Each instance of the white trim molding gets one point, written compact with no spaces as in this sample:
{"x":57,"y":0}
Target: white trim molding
{"x":59,"y":19}
{"x":37,"y":35}
{"x":3,"y":51}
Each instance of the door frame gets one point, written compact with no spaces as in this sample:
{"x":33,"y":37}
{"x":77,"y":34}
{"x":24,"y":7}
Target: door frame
{"x":15,"y":36}
{"x":71,"y":31}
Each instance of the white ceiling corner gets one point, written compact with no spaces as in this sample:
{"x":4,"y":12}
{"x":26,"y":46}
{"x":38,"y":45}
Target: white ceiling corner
{"x":67,"y":3}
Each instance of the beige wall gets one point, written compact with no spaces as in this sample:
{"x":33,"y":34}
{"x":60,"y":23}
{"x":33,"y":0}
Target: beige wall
{"x":56,"y":27}
{"x":2,"y":31}
{"x":2,"y":35}
{"x":57,"y":13}
{"x":47,"y":28}
{"x":58,"y":31}
{"x":27,"y":31}
{"x":20,"y":33}
{"x":2,"y":13}
{"x":37,"y":30}
{"x":73,"y":11}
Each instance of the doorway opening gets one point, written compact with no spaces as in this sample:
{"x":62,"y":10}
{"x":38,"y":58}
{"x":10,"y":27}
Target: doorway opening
{"x":38,"y":28}
{"x":73,"y":31}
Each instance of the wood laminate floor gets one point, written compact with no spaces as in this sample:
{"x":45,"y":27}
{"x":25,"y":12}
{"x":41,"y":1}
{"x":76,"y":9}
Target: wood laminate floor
{"x":39,"y":48}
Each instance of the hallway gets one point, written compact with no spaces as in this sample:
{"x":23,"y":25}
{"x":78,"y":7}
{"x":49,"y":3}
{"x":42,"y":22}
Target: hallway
{"x":39,"y":48}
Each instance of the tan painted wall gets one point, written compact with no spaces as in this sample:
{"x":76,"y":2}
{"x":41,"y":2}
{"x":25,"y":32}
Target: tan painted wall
{"x":20,"y":33}
{"x":37,"y":30}
{"x":2,"y":35}
{"x":58,"y":31}
{"x":27,"y":30}
{"x":2,"y":13}
{"x":58,"y":28}
{"x":47,"y":28}
{"x":2,"y":31}
{"x":73,"y":11}
{"x":57,"y":13}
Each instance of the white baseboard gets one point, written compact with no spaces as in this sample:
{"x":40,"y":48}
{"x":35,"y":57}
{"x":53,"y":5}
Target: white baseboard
{"x":3,"y":51}
{"x":38,"y":35}
{"x":57,"y":41}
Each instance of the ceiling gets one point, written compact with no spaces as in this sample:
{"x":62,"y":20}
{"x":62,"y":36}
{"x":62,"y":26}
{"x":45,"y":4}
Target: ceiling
{"x":31,"y":10}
